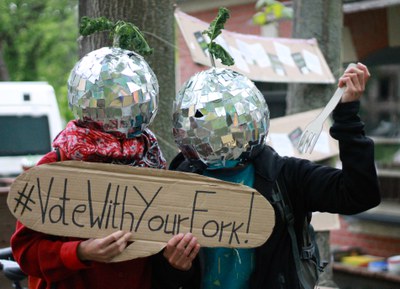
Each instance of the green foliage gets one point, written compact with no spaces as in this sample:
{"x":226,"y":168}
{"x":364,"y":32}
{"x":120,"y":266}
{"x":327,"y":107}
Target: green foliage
{"x":213,"y":31}
{"x":124,"y":34}
{"x":129,"y":36}
{"x":89,"y":26}
{"x":220,"y":53}
{"x":38,"y":38}
{"x":384,"y":153}
{"x":218,"y":23}
{"x":271,"y":11}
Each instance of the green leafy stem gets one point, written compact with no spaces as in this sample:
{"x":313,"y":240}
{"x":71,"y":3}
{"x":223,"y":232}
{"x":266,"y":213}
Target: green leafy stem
{"x":124,"y":34}
{"x":213,"y":32}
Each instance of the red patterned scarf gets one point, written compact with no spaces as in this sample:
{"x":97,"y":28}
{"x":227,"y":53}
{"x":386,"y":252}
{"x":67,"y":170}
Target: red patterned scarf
{"x":87,"y":141}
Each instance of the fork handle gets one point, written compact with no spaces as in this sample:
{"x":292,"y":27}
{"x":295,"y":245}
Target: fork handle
{"x":330,"y":106}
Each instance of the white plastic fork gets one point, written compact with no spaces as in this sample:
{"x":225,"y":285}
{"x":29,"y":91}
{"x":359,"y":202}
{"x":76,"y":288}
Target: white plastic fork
{"x":311,"y":133}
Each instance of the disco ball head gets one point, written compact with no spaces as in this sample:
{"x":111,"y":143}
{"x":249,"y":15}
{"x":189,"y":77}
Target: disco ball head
{"x":217,"y":115}
{"x":115,"y":88}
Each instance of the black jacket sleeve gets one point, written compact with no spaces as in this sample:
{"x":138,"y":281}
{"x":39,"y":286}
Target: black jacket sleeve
{"x":349,"y":190}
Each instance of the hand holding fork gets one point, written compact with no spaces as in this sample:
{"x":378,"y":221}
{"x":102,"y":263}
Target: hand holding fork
{"x":357,"y":82}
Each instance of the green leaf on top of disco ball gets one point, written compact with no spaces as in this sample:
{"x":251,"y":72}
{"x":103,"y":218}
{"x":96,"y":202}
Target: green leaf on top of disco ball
{"x":213,"y":32}
{"x":124,"y":34}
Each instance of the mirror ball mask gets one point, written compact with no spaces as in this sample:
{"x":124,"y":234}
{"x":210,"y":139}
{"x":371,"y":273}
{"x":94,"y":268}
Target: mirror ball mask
{"x":218,"y":115}
{"x":115,"y":88}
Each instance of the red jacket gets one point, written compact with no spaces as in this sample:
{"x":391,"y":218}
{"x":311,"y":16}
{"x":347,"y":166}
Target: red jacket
{"x":52,"y":262}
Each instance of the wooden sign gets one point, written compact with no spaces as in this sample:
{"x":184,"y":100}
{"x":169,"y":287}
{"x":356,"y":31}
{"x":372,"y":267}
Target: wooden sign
{"x":259,"y":58}
{"x":92,"y":200}
{"x":285,"y":132}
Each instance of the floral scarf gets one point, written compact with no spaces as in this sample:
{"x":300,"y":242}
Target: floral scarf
{"x":87,"y":141}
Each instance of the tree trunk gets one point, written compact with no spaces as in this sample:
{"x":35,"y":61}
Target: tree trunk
{"x":322,"y":20}
{"x":4,"y":76}
{"x":156,"y":20}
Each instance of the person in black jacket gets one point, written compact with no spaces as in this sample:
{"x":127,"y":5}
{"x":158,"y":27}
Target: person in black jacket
{"x":220,"y":122}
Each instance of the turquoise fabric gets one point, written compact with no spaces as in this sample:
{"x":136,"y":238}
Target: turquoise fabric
{"x":227,"y":268}
{"x":228,"y":164}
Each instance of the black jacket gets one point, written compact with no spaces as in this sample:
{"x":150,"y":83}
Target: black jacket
{"x":311,"y":187}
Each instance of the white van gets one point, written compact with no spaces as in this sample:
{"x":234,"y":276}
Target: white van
{"x":29,"y":121}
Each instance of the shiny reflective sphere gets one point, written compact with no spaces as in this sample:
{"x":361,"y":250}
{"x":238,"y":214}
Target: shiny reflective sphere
{"x":116,"y":88}
{"x":219,"y":114}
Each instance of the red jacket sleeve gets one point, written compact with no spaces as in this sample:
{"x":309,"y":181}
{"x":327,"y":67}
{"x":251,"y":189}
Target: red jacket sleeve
{"x":48,"y":257}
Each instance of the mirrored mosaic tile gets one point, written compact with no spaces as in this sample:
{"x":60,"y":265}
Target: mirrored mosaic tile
{"x":217,"y":114}
{"x":114,"y":78}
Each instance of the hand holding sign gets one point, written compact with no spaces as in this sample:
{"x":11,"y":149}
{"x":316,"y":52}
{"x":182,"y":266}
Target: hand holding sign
{"x":181,"y":251}
{"x":93,"y":200}
{"x":104,"y":249}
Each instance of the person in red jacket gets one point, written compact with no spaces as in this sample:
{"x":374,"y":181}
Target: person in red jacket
{"x":113,"y":94}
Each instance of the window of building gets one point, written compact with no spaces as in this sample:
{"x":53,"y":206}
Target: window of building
{"x":381,"y":113}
